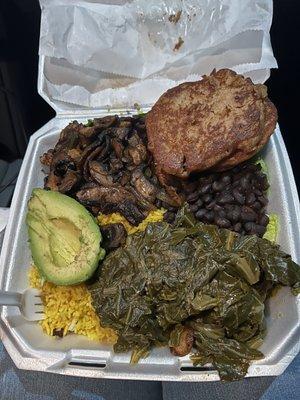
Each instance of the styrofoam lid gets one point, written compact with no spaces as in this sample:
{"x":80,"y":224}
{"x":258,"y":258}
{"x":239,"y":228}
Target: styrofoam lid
{"x":114,"y":54}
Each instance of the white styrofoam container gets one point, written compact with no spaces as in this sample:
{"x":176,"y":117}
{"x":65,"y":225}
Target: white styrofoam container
{"x":76,"y":355}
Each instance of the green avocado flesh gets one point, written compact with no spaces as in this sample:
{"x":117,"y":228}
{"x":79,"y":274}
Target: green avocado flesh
{"x":64,"y":238}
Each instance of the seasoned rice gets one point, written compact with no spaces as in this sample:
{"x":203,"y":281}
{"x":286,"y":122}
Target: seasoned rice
{"x":69,"y":309}
{"x":115,"y":218}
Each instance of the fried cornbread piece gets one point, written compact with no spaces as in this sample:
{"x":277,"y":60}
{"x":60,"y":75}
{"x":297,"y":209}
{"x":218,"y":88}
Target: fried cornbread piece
{"x":215,"y":123}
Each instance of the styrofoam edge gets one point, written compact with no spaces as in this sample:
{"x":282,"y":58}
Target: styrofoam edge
{"x":290,"y":186}
{"x":60,"y":366}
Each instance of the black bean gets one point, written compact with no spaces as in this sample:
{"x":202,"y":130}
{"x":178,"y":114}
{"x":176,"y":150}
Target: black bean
{"x":225,"y":198}
{"x":220,"y":213}
{"x":253,"y":167}
{"x":256,"y":206}
{"x":190,"y":187}
{"x":263,"y":200}
{"x":192,"y":197}
{"x":210,"y":178}
{"x":222,"y":222}
{"x":205,"y":188}
{"x":244,"y":166}
{"x":239,"y":197}
{"x":234,"y":214}
{"x":247,"y":214}
{"x":236,"y":177}
{"x":218,"y":208}
{"x":218,"y":186}
{"x":228,"y":207}
{"x":169,"y":216}
{"x":193,"y":208}
{"x":258,"y":230}
{"x":258,"y":192}
{"x":200,"y":213}
{"x":158,"y":203}
{"x":207,"y":198}
{"x":211,"y":205}
{"x":264,"y":183}
{"x":263,"y":220}
{"x":199,"y":202}
{"x":250,"y":198}
{"x":249,"y":226}
{"x":209,"y":216}
{"x":165,"y":205}
{"x":168,"y":207}
{"x":226,"y":179}
{"x":236,"y":169}
{"x":237,"y":227}
{"x":259,"y":174}
{"x":244,"y":183}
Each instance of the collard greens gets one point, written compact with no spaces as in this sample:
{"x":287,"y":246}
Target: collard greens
{"x":196,"y":275}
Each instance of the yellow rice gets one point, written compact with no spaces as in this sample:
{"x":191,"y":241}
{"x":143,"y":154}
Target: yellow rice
{"x":69,"y":308}
{"x":115,"y":218}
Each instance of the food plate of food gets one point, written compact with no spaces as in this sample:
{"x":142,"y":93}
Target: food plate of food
{"x":164,"y":244}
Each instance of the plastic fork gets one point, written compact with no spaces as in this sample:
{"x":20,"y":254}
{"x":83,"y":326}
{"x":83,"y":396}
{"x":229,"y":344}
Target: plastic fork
{"x":29,"y":303}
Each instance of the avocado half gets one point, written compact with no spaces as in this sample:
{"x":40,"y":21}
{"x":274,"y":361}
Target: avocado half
{"x":64,"y":238}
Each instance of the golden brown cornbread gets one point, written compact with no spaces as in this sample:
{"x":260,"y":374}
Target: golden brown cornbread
{"x":215,"y":123}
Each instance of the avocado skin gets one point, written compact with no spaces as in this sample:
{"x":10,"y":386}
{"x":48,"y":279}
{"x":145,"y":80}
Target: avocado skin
{"x":64,"y":238}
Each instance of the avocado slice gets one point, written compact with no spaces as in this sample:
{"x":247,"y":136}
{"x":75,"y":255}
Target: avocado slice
{"x":64,"y":238}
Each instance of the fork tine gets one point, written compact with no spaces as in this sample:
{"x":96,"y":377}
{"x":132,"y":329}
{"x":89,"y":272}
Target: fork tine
{"x":32,"y":306}
{"x":38,"y":308}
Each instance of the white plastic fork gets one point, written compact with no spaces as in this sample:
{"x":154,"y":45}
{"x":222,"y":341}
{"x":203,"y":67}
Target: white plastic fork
{"x":29,"y":303}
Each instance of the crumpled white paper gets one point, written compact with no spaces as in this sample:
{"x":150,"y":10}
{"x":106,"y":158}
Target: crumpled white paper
{"x":116,"y":53}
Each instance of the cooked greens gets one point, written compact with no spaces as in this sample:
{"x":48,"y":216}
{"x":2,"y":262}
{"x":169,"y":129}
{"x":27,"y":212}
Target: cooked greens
{"x":199,"y":276}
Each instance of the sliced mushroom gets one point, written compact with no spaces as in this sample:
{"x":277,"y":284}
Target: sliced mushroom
{"x":52,"y":181}
{"x":109,"y":167}
{"x":131,"y":212}
{"x":138,"y":154}
{"x":101,"y":142}
{"x":118,"y":147}
{"x":136,"y":149}
{"x":89,"y":132}
{"x":142,"y":201}
{"x":69,"y":181}
{"x":115,"y":165}
{"x":46,"y":158}
{"x":143,"y":186}
{"x":61,"y":166}
{"x":134,"y":139}
{"x":186,"y":342}
{"x":114,"y":236}
{"x":99,"y":174}
{"x":106,"y":122}
{"x":122,"y":132}
{"x":125,"y":178}
{"x":68,"y":138}
{"x":75,"y":154}
{"x":100,"y":152}
{"x":112,"y":199}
